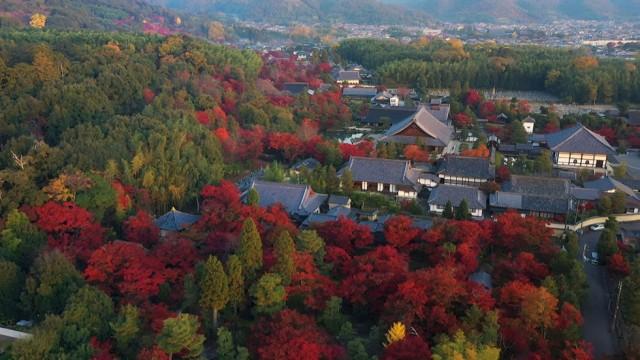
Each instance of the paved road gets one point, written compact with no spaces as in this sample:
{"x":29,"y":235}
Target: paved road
{"x":597,"y":318}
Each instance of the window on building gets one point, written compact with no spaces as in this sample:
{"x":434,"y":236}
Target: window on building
{"x":364,"y":185}
{"x":575,"y":161}
{"x":587,"y":162}
{"x":380,"y":186}
{"x":392,"y":188}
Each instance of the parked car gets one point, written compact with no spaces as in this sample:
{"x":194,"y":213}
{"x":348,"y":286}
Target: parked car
{"x":597,"y":227}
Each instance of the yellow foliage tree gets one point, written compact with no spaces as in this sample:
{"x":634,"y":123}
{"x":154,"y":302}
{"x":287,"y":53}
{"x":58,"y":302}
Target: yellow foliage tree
{"x":216,"y":31}
{"x":397,"y":332}
{"x":38,"y":21}
{"x":585,"y":63}
{"x":459,"y":348}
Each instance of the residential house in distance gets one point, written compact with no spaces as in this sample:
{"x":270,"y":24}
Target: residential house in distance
{"x":308,"y":163}
{"x":175,"y":221}
{"x":421,"y":127}
{"x":392,"y":177}
{"x":348,"y":77}
{"x":528,"y":123}
{"x":298,"y":200}
{"x":544,"y":197}
{"x":465,"y":170}
{"x":579,"y":148}
{"x":385,"y":98}
{"x":455,"y":194}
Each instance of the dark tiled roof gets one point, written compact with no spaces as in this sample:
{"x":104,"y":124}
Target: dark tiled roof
{"x":376,"y":114}
{"x":295,"y":88}
{"x":529,"y":119}
{"x":339,"y":200}
{"x":633,"y":118}
{"x":578,"y":139}
{"x":309,"y":163}
{"x":585,"y":194}
{"x":475,"y":198}
{"x":531,"y":193}
{"x":519,"y":149}
{"x":296,"y":199}
{"x":481,"y":277}
{"x":441,"y":112}
{"x":427,"y":123}
{"x":348,"y":75}
{"x":607,"y":184}
{"x":632,"y":183}
{"x":535,"y":185}
{"x":519,"y":201}
{"x":464,"y":166}
{"x":175,"y":220}
{"x":363,"y":92}
{"x":374,"y":170}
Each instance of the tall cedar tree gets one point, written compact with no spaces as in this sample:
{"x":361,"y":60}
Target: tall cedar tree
{"x":346,"y":182}
{"x":180,"y":335}
{"x":253,"y":198}
{"x":250,"y":250}
{"x":236,"y":282}
{"x":268,"y":294}
{"x":285,"y":251}
{"x":214,"y":288}
{"x":126,"y":329}
{"x":448,"y":211}
{"x":462,"y":211}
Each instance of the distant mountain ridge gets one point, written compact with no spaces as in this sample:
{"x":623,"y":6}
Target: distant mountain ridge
{"x":523,"y":10}
{"x":132,"y":15}
{"x":302,"y":11}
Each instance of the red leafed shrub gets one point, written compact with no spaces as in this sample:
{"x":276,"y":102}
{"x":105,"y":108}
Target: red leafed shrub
{"x":375,"y":276}
{"x":487,"y":109}
{"x":289,"y":335}
{"x":141,"y":229}
{"x":148,"y":95}
{"x":410,"y":348}
{"x":618,"y":265}
{"x":472,"y":98}
{"x":345,"y":233}
{"x":399,"y":231}
{"x":154,"y":353}
{"x":415,"y":153}
{"x":70,"y":229}
{"x":462,"y":120}
{"x":503,"y":174}
{"x":124,"y":269}
{"x":287,"y":145}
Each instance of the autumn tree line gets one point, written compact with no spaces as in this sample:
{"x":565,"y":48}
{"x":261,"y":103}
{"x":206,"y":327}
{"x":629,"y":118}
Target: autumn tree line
{"x":573,"y":75}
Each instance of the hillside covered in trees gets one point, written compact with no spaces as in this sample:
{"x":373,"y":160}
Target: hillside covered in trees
{"x":309,"y":11}
{"x":573,"y":75}
{"x":107,"y":15}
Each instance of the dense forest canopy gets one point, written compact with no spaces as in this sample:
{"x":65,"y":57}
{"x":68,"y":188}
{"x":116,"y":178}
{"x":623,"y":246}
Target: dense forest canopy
{"x":571,"y":74}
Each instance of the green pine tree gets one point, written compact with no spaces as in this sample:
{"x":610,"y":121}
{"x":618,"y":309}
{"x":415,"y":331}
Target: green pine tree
{"x":310,"y":242}
{"x":126,"y":330}
{"x":236,"y":282}
{"x":462,"y":211}
{"x":224,"y":345}
{"x":285,"y":251}
{"x":268,"y":294}
{"x":253,"y":198}
{"x":448,"y":211}
{"x":181,"y":334}
{"x":346,"y":181}
{"x":214,"y":288}
{"x":250,"y":249}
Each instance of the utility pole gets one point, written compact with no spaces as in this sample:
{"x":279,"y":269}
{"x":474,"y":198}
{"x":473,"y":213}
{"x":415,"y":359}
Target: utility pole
{"x":617,"y":308}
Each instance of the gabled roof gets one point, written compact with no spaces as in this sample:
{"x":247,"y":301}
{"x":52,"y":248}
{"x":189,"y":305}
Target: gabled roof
{"x":426,"y":122}
{"x":537,"y":185}
{"x":175,"y":220}
{"x":393,"y":114}
{"x":440,"y":112}
{"x":466,"y":166}
{"x":475,"y":198}
{"x":578,"y":139}
{"x":529,"y":119}
{"x":347,"y":75}
{"x":533,"y":193}
{"x":297,"y":199}
{"x":607,"y":184}
{"x":375,"y":170}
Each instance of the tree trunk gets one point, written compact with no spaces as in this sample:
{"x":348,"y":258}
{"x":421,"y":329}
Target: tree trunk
{"x":215,"y":319}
